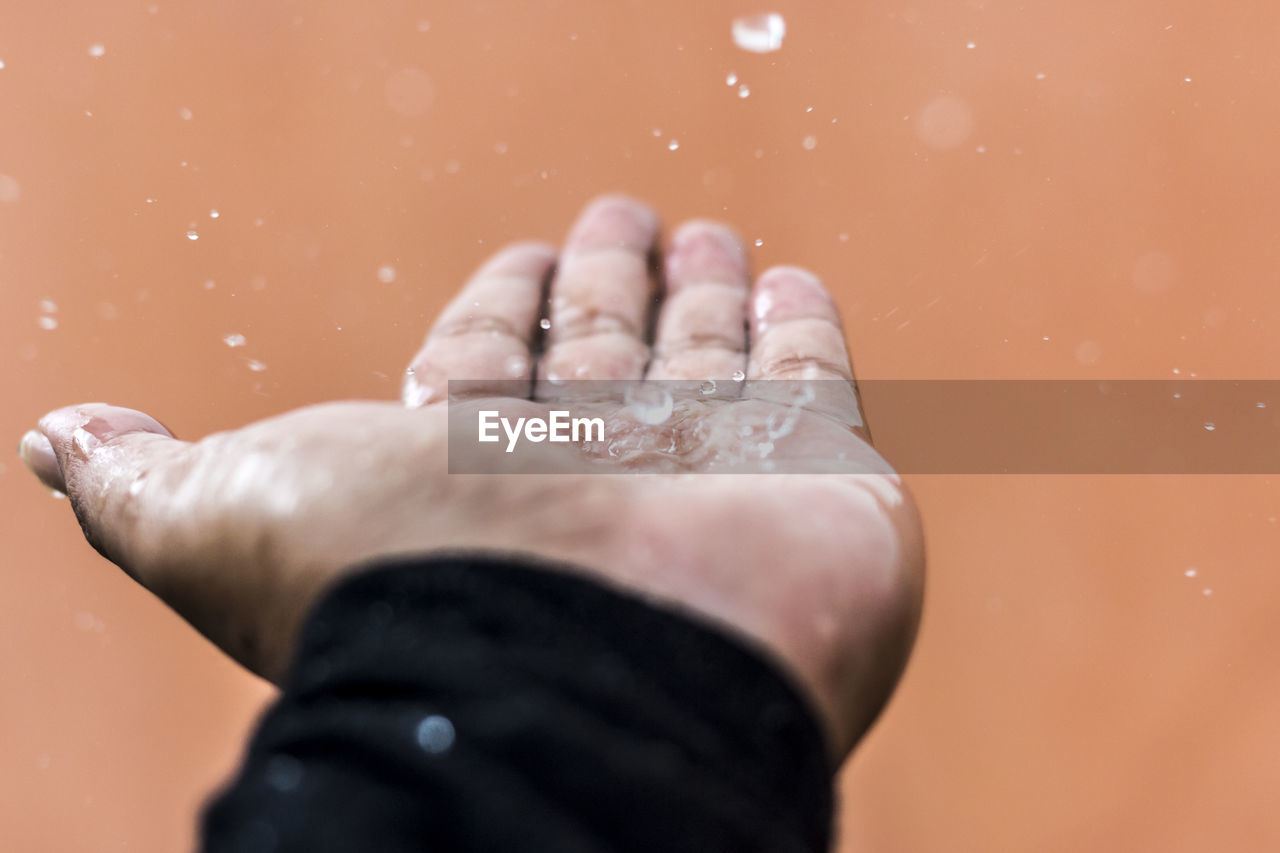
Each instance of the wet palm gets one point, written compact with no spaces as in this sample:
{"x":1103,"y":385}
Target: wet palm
{"x":241,"y":531}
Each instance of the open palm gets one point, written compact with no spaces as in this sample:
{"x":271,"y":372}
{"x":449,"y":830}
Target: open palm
{"x":241,"y":531}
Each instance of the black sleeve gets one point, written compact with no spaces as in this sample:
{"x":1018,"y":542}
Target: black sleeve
{"x":484,"y":703}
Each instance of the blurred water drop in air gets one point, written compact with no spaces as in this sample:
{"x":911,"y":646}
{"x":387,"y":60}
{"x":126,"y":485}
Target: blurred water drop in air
{"x":10,"y":190}
{"x":762,"y":33}
{"x":435,"y":734}
{"x":649,"y":404}
{"x":234,"y":340}
{"x":386,"y":273}
{"x":410,"y":92}
{"x":944,"y":123}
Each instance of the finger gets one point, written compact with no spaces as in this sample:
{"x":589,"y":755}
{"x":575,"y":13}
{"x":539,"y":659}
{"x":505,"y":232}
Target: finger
{"x":600,"y":296}
{"x":37,"y":454}
{"x":484,"y":335}
{"x":702,"y":329}
{"x":104,"y":454}
{"x":796,"y":334}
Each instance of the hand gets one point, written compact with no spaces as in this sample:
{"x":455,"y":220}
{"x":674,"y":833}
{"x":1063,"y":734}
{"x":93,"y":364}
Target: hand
{"x":240,"y":531}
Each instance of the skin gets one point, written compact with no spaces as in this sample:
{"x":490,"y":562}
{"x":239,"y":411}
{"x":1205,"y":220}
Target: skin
{"x":240,"y":531}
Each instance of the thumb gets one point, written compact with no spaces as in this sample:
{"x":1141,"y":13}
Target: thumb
{"x":94,"y":453}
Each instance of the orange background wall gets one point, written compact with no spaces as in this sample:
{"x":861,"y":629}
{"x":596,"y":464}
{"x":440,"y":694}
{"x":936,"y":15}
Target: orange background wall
{"x":1058,"y":189}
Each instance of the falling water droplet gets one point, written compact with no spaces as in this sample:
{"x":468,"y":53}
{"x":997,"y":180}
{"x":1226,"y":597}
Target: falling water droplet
{"x":810,"y":143}
{"x":193,"y":235}
{"x":386,"y":273}
{"x":744,"y":91}
{"x":762,"y":33}
{"x":759,"y":241}
{"x":435,"y":734}
{"x":185,"y":114}
{"x":256,"y":366}
{"x":235,"y":340}
{"x":214,"y":214}
{"x":48,"y":323}
{"x":731,"y":79}
{"x":1209,"y":426}
{"x":97,"y":50}
{"x":673,"y":145}
{"x":1191,"y":572}
{"x":544,"y":323}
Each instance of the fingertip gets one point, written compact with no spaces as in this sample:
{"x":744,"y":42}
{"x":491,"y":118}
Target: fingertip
{"x":614,"y":220}
{"x":37,"y":454}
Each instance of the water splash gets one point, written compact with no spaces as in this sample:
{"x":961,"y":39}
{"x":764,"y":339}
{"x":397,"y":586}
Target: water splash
{"x":649,"y":404}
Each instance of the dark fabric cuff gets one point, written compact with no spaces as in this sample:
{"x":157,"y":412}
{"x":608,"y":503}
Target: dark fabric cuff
{"x":494,"y":703}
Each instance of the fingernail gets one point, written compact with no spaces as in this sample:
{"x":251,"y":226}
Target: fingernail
{"x":719,"y":235}
{"x":37,"y":454}
{"x":91,"y":424}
